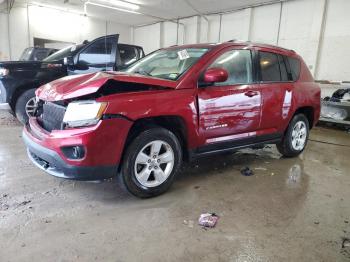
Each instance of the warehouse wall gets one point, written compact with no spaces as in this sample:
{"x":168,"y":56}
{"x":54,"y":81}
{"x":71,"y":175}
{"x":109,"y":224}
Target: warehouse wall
{"x":294,"y":24}
{"x":43,"y":23}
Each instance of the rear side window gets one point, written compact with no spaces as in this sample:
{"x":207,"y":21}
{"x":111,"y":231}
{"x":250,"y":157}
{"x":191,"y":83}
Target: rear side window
{"x":294,"y":65}
{"x":128,"y":54}
{"x":238,"y":64}
{"x":269,"y":67}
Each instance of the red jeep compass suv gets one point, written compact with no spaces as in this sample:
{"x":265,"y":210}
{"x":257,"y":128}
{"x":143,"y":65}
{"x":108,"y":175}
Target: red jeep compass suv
{"x":173,"y":105}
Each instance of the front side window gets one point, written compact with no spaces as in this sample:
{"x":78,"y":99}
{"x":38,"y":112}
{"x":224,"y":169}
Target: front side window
{"x":238,"y":64}
{"x":168,"y":64}
{"x":269,"y":67}
{"x":98,"y":53}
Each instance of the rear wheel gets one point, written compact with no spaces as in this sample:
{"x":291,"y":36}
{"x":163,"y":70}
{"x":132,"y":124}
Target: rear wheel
{"x":151,"y":162}
{"x":295,"y":139}
{"x":25,"y":106}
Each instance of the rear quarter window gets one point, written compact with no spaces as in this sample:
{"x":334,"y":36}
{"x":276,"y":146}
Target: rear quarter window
{"x":294,"y":65}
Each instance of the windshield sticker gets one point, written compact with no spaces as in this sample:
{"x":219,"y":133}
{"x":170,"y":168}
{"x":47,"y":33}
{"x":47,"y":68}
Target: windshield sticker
{"x":74,"y":47}
{"x":183,"y":55}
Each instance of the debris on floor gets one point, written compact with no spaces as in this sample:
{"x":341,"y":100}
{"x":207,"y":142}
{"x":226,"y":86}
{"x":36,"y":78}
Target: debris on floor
{"x":260,"y":168}
{"x":246,"y":171}
{"x":188,"y":223}
{"x":208,"y":220}
{"x":345,"y":243}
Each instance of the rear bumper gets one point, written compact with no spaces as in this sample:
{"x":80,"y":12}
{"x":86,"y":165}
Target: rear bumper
{"x":51,"y":162}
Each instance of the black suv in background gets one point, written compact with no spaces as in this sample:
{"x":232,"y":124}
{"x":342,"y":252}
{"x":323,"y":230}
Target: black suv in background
{"x":20,"y":79}
{"x":36,"y":53}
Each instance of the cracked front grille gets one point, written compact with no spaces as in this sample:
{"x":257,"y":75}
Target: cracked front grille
{"x":52,"y":116}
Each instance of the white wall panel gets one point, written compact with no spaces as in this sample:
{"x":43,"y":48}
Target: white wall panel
{"x":335,"y":53}
{"x":51,"y":24}
{"x":191,"y":30}
{"x":203,"y":31}
{"x":300,"y":28}
{"x":264,"y":24}
{"x":148,"y":37}
{"x":4,"y":41}
{"x":169,"y":36}
{"x":235,"y":25}
{"x":214,"y":28}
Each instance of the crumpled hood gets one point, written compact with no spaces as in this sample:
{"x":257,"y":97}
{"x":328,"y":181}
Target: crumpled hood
{"x":80,"y":85}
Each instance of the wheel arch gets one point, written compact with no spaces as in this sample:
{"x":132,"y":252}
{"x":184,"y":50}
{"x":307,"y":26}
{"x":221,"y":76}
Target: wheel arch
{"x":173,"y":123}
{"x":308,"y":111}
{"x":19,"y":91}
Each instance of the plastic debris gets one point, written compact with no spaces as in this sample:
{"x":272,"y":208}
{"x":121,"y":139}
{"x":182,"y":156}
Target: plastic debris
{"x":188,"y":223}
{"x":208,"y":220}
{"x":246,"y":171}
{"x":260,"y":168}
{"x":346,"y":243}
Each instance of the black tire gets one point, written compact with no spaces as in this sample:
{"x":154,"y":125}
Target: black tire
{"x":20,"y":108}
{"x":128,"y":166}
{"x":286,"y":147}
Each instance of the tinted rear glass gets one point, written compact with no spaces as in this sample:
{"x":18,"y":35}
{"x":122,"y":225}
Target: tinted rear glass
{"x":270,"y":69}
{"x":294,"y":67}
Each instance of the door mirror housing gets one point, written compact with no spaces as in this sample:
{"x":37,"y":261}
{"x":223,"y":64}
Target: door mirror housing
{"x":68,"y":61}
{"x":215,"y":75}
{"x":81,"y":65}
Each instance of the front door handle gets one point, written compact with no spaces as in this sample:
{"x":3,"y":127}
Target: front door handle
{"x":251,"y":93}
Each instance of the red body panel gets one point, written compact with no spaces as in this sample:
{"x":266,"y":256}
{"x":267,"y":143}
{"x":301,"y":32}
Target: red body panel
{"x":211,"y":114}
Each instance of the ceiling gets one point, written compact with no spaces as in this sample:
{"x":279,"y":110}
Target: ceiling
{"x":153,"y":10}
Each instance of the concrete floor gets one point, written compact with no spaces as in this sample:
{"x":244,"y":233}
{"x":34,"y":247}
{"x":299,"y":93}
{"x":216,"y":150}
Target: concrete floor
{"x":290,"y":210}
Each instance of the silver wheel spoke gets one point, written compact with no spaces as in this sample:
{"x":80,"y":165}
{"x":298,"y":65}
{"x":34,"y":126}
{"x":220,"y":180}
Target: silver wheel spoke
{"x":160,"y":175}
{"x":142,"y":158}
{"x":166,"y":157}
{"x":155,"y":148}
{"x":144,"y":175}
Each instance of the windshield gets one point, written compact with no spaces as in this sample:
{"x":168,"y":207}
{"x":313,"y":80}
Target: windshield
{"x":167,"y":64}
{"x":59,"y":55}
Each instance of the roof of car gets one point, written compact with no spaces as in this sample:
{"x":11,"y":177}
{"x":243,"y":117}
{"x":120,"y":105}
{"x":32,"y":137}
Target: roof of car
{"x":237,"y":43}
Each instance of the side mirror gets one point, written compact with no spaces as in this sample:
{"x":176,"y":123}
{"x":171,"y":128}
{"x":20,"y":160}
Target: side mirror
{"x":68,"y":61}
{"x":81,"y":65}
{"x":215,"y":75}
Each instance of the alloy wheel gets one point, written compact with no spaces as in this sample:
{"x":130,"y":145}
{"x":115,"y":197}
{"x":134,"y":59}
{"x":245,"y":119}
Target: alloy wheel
{"x":30,"y":107}
{"x":154,"y":163}
{"x":299,"y":136}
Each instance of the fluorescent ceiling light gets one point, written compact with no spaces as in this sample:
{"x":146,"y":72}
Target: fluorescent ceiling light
{"x":112,"y":7}
{"x":56,"y":8}
{"x":121,"y":4}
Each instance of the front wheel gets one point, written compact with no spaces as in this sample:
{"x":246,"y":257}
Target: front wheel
{"x":151,"y":162}
{"x":296,"y":136}
{"x":26,"y":106}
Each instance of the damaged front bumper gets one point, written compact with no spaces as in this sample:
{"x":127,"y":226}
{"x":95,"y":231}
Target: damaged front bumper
{"x":51,"y":162}
{"x":101,"y":149}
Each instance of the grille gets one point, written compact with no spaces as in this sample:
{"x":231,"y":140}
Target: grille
{"x":52,"y":117}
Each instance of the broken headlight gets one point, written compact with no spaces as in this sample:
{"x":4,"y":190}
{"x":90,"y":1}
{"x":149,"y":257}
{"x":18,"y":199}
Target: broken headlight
{"x":4,"y":71}
{"x":83,"y":113}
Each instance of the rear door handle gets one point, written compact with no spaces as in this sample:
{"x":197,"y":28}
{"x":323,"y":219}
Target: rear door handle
{"x":251,"y":93}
